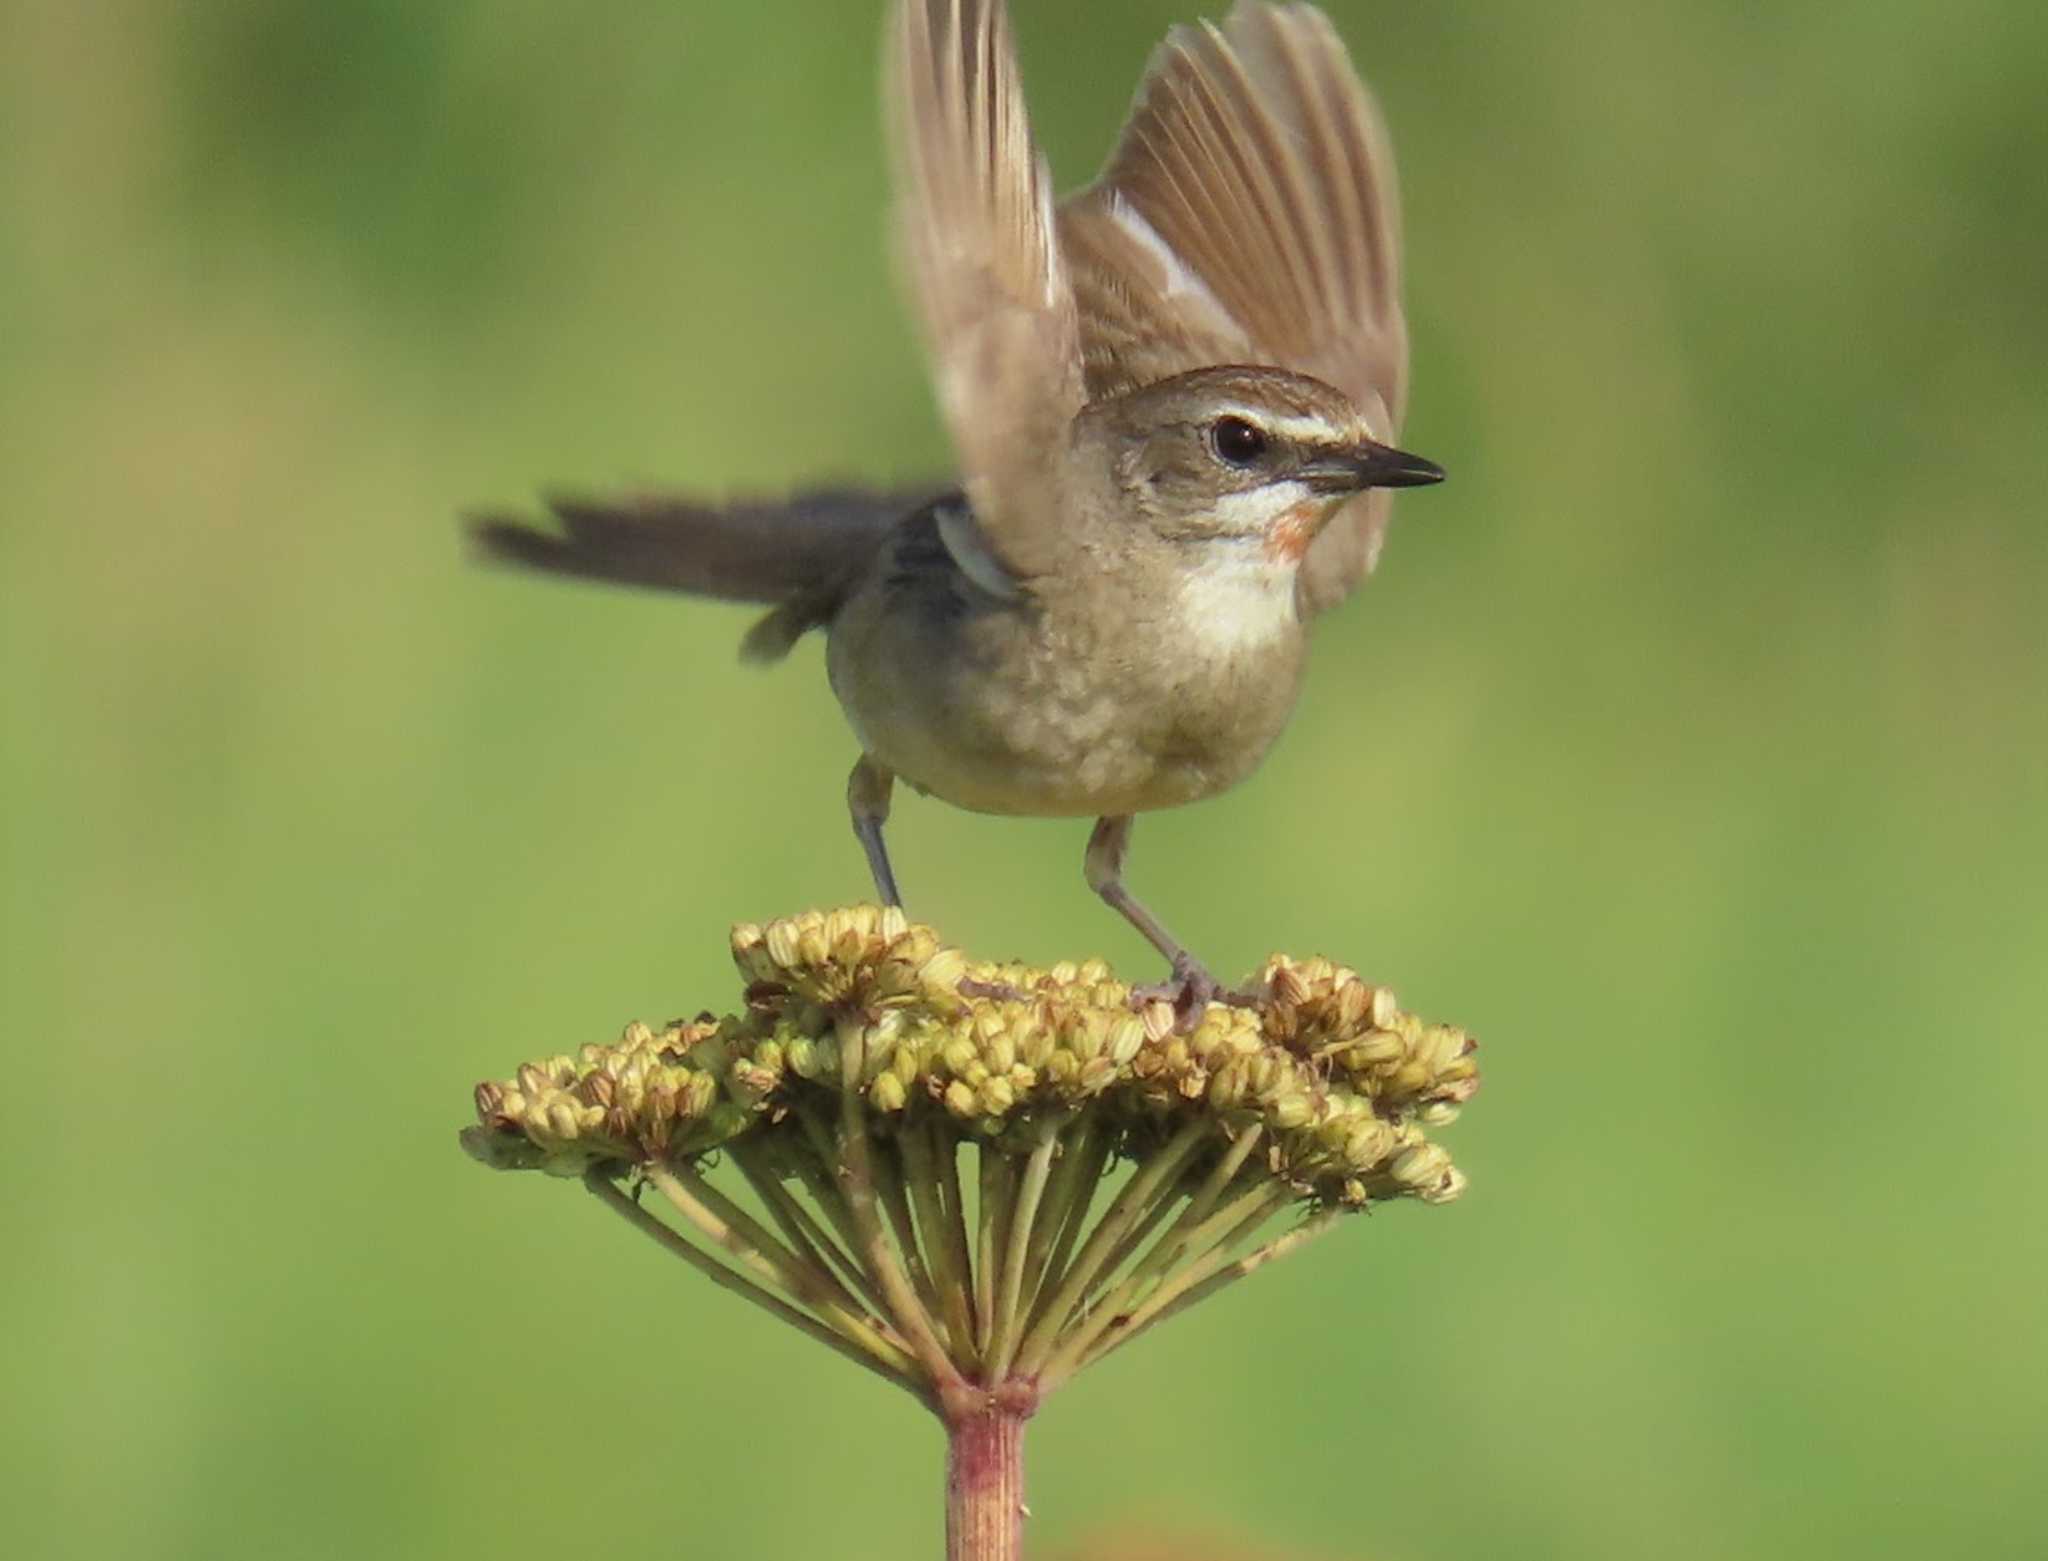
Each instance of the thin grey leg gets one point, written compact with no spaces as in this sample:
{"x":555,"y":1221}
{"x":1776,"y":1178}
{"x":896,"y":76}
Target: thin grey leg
{"x":867,"y":798}
{"x":1192,"y":985}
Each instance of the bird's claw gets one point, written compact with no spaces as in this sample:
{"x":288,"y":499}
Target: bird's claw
{"x":1190,"y":990}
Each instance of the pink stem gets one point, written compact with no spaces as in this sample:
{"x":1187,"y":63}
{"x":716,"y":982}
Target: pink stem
{"x":985,"y":1482}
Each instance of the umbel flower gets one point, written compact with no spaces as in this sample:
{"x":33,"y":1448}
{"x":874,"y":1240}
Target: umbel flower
{"x":1124,"y":1165}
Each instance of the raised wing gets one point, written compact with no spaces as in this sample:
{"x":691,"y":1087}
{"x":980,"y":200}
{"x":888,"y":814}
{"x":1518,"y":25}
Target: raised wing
{"x":1249,"y":215}
{"x":975,"y":223}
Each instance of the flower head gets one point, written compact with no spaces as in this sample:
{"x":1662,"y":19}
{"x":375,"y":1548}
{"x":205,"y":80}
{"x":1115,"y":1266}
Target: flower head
{"x":866,"y":1054}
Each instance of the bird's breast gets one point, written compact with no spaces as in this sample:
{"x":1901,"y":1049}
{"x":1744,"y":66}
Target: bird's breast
{"x":1119,"y":691}
{"x":1236,"y":603}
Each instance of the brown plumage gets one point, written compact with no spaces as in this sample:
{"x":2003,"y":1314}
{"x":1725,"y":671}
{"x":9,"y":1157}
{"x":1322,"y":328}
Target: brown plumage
{"x":1260,"y":164}
{"x":1173,"y":397}
{"x":760,"y":550}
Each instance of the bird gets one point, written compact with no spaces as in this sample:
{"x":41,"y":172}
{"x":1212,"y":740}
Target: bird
{"x":1174,"y":396}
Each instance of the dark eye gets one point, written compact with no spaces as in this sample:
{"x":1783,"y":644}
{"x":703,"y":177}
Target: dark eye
{"x":1236,"y":441}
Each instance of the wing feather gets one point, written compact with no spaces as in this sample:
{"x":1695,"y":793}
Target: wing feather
{"x":985,"y":270}
{"x":1250,"y":214}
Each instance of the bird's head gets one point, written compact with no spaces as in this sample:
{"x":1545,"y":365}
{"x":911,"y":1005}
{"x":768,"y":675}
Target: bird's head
{"x":1247,"y":455}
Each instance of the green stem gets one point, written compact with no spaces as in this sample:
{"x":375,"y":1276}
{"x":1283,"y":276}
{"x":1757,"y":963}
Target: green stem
{"x":1186,"y":1289}
{"x":946,"y":1151}
{"x":1088,"y":1157}
{"x":889,"y":1186}
{"x":1154,"y":1215}
{"x":1158,"y":1170}
{"x":857,"y":1159}
{"x":1198,"y":1224}
{"x":1214,"y":1239}
{"x":808,"y":1280}
{"x":1220,"y":1176}
{"x":873,"y":1352}
{"x":1023,"y":1225}
{"x":921,"y":1175}
{"x":823,"y":1174}
{"x":998,"y":1189}
{"x":802,"y":1228}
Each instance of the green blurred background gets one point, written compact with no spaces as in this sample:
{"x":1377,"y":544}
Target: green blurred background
{"x":1690,"y":747}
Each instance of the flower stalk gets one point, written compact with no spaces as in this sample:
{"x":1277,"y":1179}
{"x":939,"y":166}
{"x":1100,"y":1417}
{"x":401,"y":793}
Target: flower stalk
{"x":985,"y":1485}
{"x":867,"y":1058}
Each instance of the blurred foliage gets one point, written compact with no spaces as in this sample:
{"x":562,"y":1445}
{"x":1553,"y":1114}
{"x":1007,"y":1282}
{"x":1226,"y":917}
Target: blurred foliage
{"x":1691,"y":741}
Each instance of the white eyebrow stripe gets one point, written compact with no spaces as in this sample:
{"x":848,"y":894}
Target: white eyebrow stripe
{"x":1299,"y":430}
{"x":1306,"y":430}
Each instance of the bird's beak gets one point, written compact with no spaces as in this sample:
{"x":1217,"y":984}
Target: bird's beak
{"x":1369,"y":465}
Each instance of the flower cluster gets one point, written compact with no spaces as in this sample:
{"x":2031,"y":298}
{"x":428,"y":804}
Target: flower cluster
{"x":1340,"y":1082}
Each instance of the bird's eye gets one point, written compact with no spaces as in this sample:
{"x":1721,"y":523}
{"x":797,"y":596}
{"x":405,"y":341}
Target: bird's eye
{"x":1237,"y":441}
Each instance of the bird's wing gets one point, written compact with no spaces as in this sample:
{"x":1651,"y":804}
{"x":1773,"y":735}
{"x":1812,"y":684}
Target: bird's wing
{"x":976,"y":229}
{"x":1249,"y":215}
{"x":751,"y":551}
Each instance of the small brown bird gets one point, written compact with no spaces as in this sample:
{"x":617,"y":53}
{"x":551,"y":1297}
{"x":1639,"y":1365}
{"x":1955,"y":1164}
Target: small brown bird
{"x":1173,"y":396}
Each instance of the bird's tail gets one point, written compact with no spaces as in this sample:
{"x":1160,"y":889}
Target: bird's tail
{"x":797,"y":554}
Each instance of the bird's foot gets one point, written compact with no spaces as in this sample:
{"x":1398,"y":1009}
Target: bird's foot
{"x":1190,"y":990}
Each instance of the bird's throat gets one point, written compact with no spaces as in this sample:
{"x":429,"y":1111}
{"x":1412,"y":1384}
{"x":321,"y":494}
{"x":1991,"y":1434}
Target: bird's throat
{"x":1293,"y":531}
{"x":1239,"y":598}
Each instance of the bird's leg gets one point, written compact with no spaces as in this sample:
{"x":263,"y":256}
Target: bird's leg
{"x":867,"y":797}
{"x":1192,"y":988}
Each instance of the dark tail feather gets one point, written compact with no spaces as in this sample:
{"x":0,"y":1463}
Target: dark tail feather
{"x":773,"y":551}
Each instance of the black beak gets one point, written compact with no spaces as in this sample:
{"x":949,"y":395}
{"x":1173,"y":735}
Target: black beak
{"x":1370,"y":465}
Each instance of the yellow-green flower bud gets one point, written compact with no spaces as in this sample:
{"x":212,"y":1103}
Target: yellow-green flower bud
{"x":1034,"y":1040}
{"x":1125,"y":1038}
{"x":1425,"y":1165}
{"x":697,"y":1095}
{"x":1368,"y":1142}
{"x":1335,"y":1081}
{"x":996,"y":1096}
{"x":783,"y":944}
{"x":943,"y":971}
{"x":1227,"y":1087}
{"x":1290,"y":1111}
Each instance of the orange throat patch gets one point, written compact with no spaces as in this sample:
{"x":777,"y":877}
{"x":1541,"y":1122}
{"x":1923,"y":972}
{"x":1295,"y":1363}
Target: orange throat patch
{"x":1290,"y":536}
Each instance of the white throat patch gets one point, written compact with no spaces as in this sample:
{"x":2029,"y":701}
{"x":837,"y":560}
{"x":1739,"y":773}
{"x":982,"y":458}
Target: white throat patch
{"x":1239,"y":599}
{"x":1258,"y":509}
